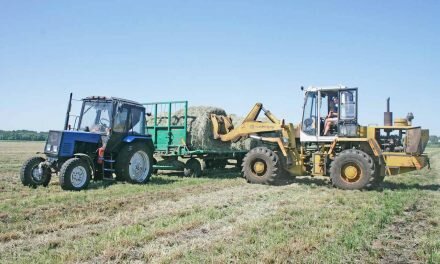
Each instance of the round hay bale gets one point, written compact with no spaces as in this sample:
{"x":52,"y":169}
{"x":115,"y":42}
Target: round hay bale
{"x":200,"y":128}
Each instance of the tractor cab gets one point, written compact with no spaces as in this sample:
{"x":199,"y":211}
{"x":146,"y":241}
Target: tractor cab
{"x":329,"y":112}
{"x":113,"y":118}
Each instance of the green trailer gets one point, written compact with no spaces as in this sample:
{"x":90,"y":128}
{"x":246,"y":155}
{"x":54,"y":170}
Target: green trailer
{"x":173,"y":150}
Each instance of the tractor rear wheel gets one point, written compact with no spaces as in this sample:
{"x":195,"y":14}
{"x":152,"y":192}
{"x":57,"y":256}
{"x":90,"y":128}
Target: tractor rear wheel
{"x":135,"y":163}
{"x":352,"y":170}
{"x":32,"y":176}
{"x":193,"y":168}
{"x":75,"y":175}
{"x":262,"y":165}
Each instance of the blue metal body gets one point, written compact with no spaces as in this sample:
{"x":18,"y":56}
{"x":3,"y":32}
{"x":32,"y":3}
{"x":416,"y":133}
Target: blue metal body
{"x":69,"y":138}
{"x":129,"y":139}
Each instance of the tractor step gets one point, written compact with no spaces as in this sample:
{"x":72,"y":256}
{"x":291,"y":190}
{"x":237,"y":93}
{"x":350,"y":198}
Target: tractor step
{"x":112,"y":170}
{"x":110,"y":161}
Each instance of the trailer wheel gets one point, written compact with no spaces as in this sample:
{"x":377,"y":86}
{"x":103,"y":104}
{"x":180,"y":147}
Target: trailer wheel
{"x":30,"y":174}
{"x":75,"y":175}
{"x":135,"y":163}
{"x":352,"y":170}
{"x":193,"y":168}
{"x":262,"y":165}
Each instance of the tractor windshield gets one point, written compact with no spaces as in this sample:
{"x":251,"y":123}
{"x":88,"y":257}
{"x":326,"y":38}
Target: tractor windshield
{"x":95,"y":116}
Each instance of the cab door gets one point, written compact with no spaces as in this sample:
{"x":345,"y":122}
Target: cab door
{"x":348,"y":113}
{"x":119,"y":128}
{"x":309,"y":125}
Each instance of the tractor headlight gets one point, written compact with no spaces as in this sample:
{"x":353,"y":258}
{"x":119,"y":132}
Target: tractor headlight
{"x":53,"y":142}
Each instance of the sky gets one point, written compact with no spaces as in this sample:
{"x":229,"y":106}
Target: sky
{"x":228,"y":53}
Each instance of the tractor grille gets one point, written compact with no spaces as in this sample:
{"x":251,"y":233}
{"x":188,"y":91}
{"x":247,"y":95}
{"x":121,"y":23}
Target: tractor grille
{"x":53,"y":142}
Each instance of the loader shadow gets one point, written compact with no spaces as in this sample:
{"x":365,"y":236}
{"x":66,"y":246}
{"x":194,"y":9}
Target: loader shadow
{"x":309,"y":181}
{"x":404,"y":186}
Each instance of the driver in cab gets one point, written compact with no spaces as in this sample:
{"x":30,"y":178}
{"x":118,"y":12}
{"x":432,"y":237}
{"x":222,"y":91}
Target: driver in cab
{"x":332,"y":117}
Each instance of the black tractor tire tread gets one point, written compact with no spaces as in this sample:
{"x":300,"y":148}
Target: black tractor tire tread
{"x":123,"y":158}
{"x":368,"y":162}
{"x":25,"y":177}
{"x":65,"y":170}
{"x":273,"y":173}
{"x":194,"y":168}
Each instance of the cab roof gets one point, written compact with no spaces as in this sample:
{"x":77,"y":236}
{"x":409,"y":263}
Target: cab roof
{"x":327,"y":88}
{"x":106,"y":98}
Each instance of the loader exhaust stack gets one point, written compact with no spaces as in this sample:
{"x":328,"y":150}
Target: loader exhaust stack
{"x":388,"y":115}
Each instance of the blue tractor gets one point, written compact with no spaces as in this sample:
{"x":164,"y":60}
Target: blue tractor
{"x":106,"y":142}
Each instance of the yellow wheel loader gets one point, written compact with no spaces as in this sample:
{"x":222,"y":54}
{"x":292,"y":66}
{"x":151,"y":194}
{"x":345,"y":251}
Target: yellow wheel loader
{"x":328,"y":142}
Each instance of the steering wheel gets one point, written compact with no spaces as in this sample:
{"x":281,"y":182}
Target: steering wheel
{"x":308,"y":122}
{"x":103,"y":124}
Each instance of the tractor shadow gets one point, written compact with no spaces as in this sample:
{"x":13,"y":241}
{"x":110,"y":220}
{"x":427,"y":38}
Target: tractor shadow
{"x":94,"y":185}
{"x":228,"y":173}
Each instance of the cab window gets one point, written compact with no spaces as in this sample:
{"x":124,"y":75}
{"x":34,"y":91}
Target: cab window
{"x":137,"y":121}
{"x":348,"y":105}
{"x":120,"y":122}
{"x":309,"y":118}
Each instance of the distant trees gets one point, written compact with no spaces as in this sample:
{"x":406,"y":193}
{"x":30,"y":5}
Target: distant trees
{"x":434,"y":141}
{"x":25,"y":135}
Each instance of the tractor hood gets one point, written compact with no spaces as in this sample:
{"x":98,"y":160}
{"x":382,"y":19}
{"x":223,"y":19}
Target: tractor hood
{"x":62,"y":143}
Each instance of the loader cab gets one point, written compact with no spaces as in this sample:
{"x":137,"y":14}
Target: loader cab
{"x":333,"y":106}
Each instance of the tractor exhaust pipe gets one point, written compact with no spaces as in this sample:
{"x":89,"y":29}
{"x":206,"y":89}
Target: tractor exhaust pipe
{"x":388,"y":115}
{"x":69,"y":105}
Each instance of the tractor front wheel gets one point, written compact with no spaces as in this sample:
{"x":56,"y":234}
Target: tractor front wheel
{"x":75,"y":175}
{"x":352,"y":170}
{"x":135,"y":163}
{"x":33,"y":175}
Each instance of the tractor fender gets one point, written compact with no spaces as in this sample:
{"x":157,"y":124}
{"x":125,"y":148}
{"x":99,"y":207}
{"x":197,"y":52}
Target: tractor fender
{"x":147,"y":139}
{"x":86,"y":158}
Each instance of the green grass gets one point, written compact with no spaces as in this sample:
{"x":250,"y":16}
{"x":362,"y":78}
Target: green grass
{"x":218,"y":219}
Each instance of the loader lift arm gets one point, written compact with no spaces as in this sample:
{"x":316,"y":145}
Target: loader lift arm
{"x":225,"y":131}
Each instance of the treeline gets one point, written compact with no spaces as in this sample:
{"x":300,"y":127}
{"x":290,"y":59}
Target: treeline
{"x":25,"y":135}
{"x":434,"y":141}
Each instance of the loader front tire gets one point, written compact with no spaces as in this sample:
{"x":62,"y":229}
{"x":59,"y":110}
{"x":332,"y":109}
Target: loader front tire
{"x":352,"y":169}
{"x":263,"y":166}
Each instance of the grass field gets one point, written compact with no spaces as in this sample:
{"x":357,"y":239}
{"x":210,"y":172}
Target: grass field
{"x":218,"y":219}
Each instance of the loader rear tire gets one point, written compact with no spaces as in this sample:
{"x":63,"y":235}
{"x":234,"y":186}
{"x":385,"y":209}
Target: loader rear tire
{"x":352,"y":169}
{"x":263,"y":166}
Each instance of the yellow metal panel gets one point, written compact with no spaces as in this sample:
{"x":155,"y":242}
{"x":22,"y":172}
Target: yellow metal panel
{"x":405,"y":161}
{"x":363,"y":131}
{"x":317,"y":169}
